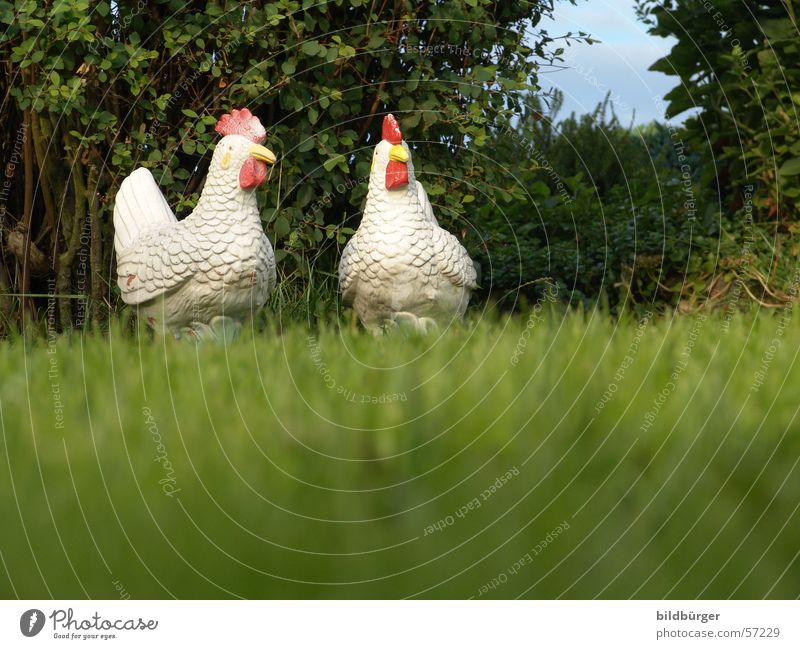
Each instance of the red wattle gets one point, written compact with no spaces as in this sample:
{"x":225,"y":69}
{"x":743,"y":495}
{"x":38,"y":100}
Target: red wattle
{"x":252,"y":173}
{"x":396,"y":174}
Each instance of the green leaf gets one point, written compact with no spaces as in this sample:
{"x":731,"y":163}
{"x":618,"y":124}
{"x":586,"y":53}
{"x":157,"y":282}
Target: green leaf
{"x":306,"y":145}
{"x":485,"y":73}
{"x":429,"y":117}
{"x":376,"y":41}
{"x":281,"y":227}
{"x":790,"y":167}
{"x":304,"y":195}
{"x":311,"y":48}
{"x":405,"y":104}
{"x":778,"y":29}
{"x":411,"y":120}
{"x":663,"y":65}
{"x":330,"y":163}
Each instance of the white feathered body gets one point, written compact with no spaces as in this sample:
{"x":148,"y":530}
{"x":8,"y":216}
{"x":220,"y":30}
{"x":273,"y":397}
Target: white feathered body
{"x":215,"y":262}
{"x":400,"y":261}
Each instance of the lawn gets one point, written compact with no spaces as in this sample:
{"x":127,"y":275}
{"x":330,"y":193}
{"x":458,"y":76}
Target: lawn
{"x":549,"y":456}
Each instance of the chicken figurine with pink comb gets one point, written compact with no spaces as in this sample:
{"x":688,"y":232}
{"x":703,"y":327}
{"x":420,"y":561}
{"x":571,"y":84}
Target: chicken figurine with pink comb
{"x":199,"y":277}
{"x":400,"y":269}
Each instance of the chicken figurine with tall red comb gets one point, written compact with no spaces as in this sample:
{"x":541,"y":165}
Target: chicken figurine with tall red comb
{"x":199,"y":277}
{"x":400,"y":268}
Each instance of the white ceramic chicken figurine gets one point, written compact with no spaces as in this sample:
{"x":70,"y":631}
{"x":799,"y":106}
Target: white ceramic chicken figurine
{"x":200,"y":276}
{"x":400,"y":267}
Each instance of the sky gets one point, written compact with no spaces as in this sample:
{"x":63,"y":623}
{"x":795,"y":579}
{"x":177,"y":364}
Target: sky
{"x":618,"y":63}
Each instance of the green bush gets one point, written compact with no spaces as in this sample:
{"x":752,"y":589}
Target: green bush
{"x":738,"y":65}
{"x":626,"y":216}
{"x":96,"y":89}
{"x":602,"y":218}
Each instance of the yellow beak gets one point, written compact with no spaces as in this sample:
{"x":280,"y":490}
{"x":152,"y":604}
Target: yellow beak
{"x":398,"y":153}
{"x":262,"y":153}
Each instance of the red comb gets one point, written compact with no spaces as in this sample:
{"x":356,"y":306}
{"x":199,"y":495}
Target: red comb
{"x":391,"y":130}
{"x":242,"y":122}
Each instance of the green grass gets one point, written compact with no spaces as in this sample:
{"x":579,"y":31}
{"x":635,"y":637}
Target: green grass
{"x":290,"y":488}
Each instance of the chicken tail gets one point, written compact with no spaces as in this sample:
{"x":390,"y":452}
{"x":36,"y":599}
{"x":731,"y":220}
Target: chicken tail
{"x":139,"y":206}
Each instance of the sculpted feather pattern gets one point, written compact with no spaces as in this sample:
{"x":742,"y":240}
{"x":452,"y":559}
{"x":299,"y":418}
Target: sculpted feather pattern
{"x":351,"y":266}
{"x":400,"y":264}
{"x":216,"y":262}
{"x":452,"y":259}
